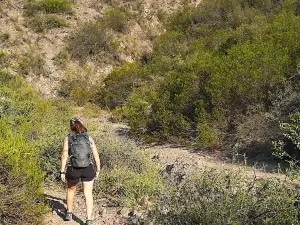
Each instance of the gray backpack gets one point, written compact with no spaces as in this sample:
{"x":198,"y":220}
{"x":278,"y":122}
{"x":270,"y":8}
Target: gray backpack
{"x":80,"y":150}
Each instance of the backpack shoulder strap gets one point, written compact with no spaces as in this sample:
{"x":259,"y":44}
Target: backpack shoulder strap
{"x":70,"y":140}
{"x":86,"y":134}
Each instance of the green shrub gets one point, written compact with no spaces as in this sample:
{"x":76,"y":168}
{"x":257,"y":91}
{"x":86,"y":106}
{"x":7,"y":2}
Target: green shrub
{"x":43,"y":122}
{"x":32,"y":130}
{"x":167,"y":108}
{"x":137,"y":110}
{"x":41,"y":22}
{"x":116,"y":19}
{"x":90,"y":40}
{"x":78,"y":85}
{"x":288,"y":148}
{"x":91,"y":110}
{"x":51,"y":125}
{"x":38,"y":17}
{"x":242,"y":75}
{"x":56,"y":6}
{"x":3,"y":58}
{"x":21,"y":180}
{"x":171,"y":44}
{"x":119,"y":84}
{"x":284,"y":31}
{"x":33,"y":7}
{"x":80,"y":96}
{"x":215,"y":15}
{"x":207,"y":137}
{"x":217,"y":64}
{"x":4,"y":36}
{"x":31,"y":62}
{"x":129,"y":187}
{"x":61,"y":59}
{"x":226,"y":197}
{"x":127,"y":173}
{"x":247,"y":74}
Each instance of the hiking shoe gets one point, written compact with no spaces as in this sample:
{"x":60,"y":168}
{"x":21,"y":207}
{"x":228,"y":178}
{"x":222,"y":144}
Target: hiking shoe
{"x":88,"y":222}
{"x":68,"y":216}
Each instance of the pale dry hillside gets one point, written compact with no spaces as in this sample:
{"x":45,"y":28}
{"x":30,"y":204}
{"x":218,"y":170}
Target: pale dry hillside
{"x":32,"y":54}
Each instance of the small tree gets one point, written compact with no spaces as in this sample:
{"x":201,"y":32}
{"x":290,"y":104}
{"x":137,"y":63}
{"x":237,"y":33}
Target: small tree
{"x":288,"y":148}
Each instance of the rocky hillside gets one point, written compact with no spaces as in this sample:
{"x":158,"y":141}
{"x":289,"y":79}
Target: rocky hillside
{"x":36,"y":52}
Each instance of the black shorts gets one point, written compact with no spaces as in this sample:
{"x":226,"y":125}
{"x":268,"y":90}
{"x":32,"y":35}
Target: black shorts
{"x":74,"y":175}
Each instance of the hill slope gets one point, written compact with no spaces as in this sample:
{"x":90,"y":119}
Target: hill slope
{"x":37,"y":50}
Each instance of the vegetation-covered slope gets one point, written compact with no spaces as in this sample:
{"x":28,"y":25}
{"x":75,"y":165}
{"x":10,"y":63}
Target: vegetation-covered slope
{"x":218,"y":76}
{"x":29,"y":127}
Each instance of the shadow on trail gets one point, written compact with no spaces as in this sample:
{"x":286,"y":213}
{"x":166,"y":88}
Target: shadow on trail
{"x":57,"y":206}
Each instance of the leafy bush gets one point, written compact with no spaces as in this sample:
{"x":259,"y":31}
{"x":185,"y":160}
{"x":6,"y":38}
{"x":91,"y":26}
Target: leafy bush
{"x":30,"y":130}
{"x":48,"y":120}
{"x":129,"y":187}
{"x":116,"y":19}
{"x":41,"y":22}
{"x":91,"y":110}
{"x":166,"y":109}
{"x":61,"y":59}
{"x":215,"y":15}
{"x":90,"y":40}
{"x":56,"y":6}
{"x":78,"y":85}
{"x":119,"y":84}
{"x":21,"y":180}
{"x":127,"y":174}
{"x":80,"y":96}
{"x":39,"y":17}
{"x":51,"y":124}
{"x":250,"y":68}
{"x":3,"y":58}
{"x":288,"y":148}
{"x":138,"y":110}
{"x":214,"y":65}
{"x":33,"y":7}
{"x":224,"y":197}
{"x":207,"y":137}
{"x":171,"y":44}
{"x":4,"y":36}
{"x":31,"y":62}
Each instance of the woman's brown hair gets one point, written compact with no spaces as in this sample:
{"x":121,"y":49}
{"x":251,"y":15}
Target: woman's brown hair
{"x":77,"y":127}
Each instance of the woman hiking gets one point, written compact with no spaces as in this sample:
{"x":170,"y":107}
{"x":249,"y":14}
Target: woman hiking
{"x":78,"y":149}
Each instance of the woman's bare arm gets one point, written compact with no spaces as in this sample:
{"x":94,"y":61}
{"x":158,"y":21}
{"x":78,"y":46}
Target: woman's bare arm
{"x":95,"y":153}
{"x":64,"y":154}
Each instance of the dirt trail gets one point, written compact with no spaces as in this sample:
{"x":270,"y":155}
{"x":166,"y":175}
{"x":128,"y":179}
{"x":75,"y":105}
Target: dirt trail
{"x":55,"y":198}
{"x":191,"y":162}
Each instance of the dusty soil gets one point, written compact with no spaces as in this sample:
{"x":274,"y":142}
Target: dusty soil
{"x":103,"y":214}
{"x":189,"y":162}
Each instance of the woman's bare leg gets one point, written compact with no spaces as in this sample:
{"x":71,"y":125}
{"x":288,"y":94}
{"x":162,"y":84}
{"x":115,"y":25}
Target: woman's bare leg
{"x":88,"y":194}
{"x":70,"y":196}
